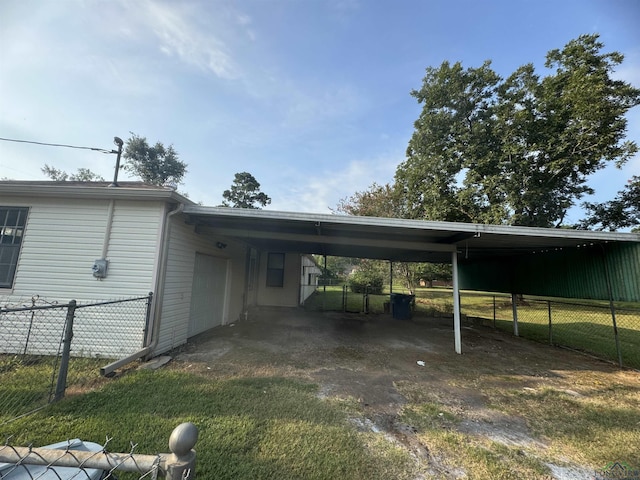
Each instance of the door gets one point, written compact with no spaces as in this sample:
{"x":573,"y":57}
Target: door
{"x":208,"y":294}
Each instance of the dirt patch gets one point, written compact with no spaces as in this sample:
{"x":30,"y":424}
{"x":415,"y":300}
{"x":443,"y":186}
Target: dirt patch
{"x":381,"y":365}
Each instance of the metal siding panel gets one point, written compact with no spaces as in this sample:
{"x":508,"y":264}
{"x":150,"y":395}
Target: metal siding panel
{"x":486,"y":275}
{"x":624,"y":266}
{"x":569,"y":273}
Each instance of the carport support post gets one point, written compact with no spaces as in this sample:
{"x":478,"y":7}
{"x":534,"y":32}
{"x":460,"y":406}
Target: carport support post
{"x":514,"y":307}
{"x":324,"y":283}
{"x":456,"y":302}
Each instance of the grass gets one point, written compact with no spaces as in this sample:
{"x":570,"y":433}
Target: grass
{"x":573,"y":422}
{"x":474,"y":457}
{"x":588,"y":418}
{"x":249,"y":428}
{"x":585,"y":326}
{"x":27,"y":382}
{"x":256,"y":424}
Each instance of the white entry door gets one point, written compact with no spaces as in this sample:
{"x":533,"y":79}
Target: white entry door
{"x":208,"y":294}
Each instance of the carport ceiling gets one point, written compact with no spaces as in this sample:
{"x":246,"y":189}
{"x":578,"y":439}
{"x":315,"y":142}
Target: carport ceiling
{"x":384,"y":238}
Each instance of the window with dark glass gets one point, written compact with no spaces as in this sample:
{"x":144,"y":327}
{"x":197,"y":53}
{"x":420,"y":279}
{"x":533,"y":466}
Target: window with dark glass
{"x":12,"y":222}
{"x":275,"y":270}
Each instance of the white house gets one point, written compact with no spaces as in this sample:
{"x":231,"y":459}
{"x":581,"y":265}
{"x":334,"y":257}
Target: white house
{"x":57,"y":237}
{"x":309,"y":274}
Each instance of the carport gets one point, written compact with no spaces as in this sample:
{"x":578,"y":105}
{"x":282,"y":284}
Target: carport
{"x":518,"y":260}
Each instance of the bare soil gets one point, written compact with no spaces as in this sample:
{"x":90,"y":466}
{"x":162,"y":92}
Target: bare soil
{"x":373,"y":360}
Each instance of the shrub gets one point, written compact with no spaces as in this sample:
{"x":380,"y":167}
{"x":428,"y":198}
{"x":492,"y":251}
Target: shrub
{"x":363,"y":281}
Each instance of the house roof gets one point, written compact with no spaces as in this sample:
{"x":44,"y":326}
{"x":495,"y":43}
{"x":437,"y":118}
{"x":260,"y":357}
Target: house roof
{"x":67,"y":189}
{"x":339,"y":235}
{"x":386,"y":238}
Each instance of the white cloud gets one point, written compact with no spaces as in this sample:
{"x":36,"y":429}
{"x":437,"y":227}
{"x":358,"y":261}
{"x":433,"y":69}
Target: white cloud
{"x":182,"y":34}
{"x":322,"y":191}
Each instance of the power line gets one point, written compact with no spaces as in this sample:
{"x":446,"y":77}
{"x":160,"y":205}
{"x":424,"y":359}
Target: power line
{"x":58,"y":145}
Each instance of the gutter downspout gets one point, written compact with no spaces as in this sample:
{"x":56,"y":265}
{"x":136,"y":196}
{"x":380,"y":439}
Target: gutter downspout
{"x":155,"y":321}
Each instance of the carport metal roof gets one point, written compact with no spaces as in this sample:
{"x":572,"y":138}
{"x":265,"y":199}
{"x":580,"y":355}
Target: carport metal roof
{"x":385,"y":238}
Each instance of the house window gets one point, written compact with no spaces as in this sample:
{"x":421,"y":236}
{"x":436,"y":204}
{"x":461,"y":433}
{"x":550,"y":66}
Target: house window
{"x":12,"y":222}
{"x":275,"y":270}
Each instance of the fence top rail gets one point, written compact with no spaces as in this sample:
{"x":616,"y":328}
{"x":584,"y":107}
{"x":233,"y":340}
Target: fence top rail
{"x":33,"y":307}
{"x":28,"y":308}
{"x":109,"y":302}
{"x":102,"y":460}
{"x":576,"y":303}
{"x":179,"y":464}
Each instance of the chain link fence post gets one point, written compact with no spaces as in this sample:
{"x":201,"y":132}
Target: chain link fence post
{"x":147,"y":317}
{"x":494,"y":311}
{"x":181,"y":464}
{"x":66,"y":351}
{"x":612,"y":307}
{"x":615,"y":331}
{"x":550,"y":330}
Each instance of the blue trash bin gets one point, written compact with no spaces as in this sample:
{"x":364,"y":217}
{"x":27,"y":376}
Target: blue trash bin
{"x":401,"y":306}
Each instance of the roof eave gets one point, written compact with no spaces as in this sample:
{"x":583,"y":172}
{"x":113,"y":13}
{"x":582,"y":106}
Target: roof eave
{"x":59,"y":190}
{"x":474,"y":228}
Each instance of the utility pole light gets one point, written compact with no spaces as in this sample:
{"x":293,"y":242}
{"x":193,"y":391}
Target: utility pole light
{"x":118,"y":141}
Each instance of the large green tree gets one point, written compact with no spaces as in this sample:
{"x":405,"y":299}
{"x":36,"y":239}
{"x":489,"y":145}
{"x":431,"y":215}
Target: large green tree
{"x":376,"y":201}
{"x":384,"y":201}
{"x":517,"y":150}
{"x":621,"y":212}
{"x":154,"y":164}
{"x":245,"y":193}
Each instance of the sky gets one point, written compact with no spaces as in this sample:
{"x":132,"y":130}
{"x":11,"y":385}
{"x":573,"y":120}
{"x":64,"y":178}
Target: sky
{"x":312,"y":97}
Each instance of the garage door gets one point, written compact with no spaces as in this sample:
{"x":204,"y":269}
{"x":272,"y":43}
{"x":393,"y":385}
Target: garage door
{"x":208,"y":293}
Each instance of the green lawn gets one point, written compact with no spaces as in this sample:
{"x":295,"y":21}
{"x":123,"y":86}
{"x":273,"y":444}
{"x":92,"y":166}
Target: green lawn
{"x":276,"y":427}
{"x":28,"y":383}
{"x":249,"y":427}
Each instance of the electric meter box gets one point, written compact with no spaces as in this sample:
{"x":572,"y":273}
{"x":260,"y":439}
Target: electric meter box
{"x":99,"y":268}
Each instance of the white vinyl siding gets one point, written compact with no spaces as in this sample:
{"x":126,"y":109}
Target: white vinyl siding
{"x":184,"y":243}
{"x":134,"y":246}
{"x":208,"y":293}
{"x":63,"y":238}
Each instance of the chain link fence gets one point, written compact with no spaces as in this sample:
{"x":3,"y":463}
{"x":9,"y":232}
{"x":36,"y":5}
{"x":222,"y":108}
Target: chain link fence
{"x":597,"y":328}
{"x":611,"y":332}
{"x":75,"y":459}
{"x":47,"y":348}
